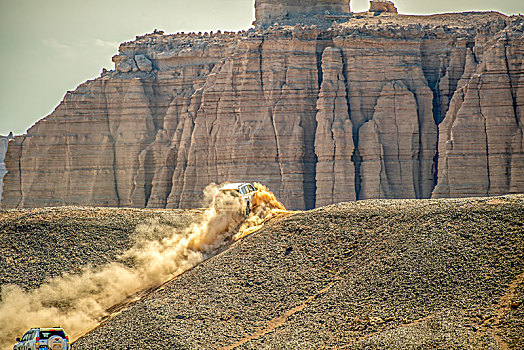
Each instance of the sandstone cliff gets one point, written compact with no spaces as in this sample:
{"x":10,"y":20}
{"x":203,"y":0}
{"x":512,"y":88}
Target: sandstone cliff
{"x":269,"y":11}
{"x":322,"y":109}
{"x":4,"y":140}
{"x":481,"y":138}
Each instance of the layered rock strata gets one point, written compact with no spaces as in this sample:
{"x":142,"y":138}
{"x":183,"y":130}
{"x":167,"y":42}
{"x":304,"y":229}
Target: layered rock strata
{"x":4,"y":141}
{"x":397,"y":145}
{"x":334,"y":144}
{"x":374,"y":107}
{"x":269,"y":11}
{"x":481,"y":144}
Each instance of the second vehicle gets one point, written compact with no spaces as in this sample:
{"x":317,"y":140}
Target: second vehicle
{"x":43,"y":338}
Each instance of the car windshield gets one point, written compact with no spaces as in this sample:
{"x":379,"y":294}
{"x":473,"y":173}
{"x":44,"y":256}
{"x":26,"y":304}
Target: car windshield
{"x":49,"y":334}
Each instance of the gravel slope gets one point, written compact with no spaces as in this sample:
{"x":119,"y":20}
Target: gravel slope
{"x":400,"y":274}
{"x":36,"y":244}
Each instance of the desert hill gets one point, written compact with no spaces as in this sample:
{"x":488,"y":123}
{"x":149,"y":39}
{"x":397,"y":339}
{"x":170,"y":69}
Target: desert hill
{"x":38,"y":244}
{"x":374,"y":274}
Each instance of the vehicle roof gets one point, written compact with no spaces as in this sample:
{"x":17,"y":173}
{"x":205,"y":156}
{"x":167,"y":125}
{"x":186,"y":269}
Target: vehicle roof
{"x":50,"y":328}
{"x":233,"y":186}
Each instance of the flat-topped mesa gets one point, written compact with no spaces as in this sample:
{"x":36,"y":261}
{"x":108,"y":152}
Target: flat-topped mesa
{"x":388,"y":106}
{"x":382,"y":6}
{"x":269,"y":11}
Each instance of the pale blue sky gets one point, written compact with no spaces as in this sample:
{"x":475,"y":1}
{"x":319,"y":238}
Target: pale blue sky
{"x":51,"y":46}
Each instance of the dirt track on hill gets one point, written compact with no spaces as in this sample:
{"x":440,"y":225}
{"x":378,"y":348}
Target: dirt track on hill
{"x":374,"y":274}
{"x":165,"y":244}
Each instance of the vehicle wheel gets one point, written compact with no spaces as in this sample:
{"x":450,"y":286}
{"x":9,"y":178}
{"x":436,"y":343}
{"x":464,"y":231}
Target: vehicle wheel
{"x":55,"y":343}
{"x":248,"y":208}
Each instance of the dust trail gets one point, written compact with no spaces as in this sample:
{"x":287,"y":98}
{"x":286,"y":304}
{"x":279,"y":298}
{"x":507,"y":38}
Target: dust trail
{"x":265,"y":207}
{"x":78,"y":302}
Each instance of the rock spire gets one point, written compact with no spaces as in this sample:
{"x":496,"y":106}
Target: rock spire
{"x":382,"y":6}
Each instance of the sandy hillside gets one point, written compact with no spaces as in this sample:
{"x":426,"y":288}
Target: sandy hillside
{"x":37,"y":244}
{"x":374,"y":274}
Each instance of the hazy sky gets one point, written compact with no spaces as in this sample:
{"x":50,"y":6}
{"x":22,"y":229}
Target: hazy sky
{"x":51,"y":46}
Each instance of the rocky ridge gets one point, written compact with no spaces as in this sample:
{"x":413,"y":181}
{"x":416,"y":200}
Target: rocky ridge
{"x":327,"y":108}
{"x":377,"y":274}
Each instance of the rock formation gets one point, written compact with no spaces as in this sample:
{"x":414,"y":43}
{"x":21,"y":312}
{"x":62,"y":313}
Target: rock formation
{"x":382,"y":6}
{"x":4,"y":141}
{"x":269,"y":11}
{"x":483,"y":129}
{"x":334,"y":135}
{"x":320,"y":111}
{"x":397,"y":145}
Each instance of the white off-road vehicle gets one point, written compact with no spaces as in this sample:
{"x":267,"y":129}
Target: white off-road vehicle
{"x":235,"y":196}
{"x":43,"y":338}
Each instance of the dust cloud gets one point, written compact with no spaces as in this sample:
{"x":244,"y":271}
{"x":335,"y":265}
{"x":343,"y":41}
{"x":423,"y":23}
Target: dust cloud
{"x":265,"y":206}
{"x":79,"y":302}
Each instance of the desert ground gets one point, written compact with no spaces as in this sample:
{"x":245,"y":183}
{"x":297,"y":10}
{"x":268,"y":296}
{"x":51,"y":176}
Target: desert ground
{"x":376,"y":274}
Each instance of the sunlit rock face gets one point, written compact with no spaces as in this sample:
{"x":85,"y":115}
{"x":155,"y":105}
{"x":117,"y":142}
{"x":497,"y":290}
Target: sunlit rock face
{"x":369,"y":107}
{"x":481,"y":141}
{"x":269,"y":11}
{"x":4,"y":142}
{"x":382,"y":6}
